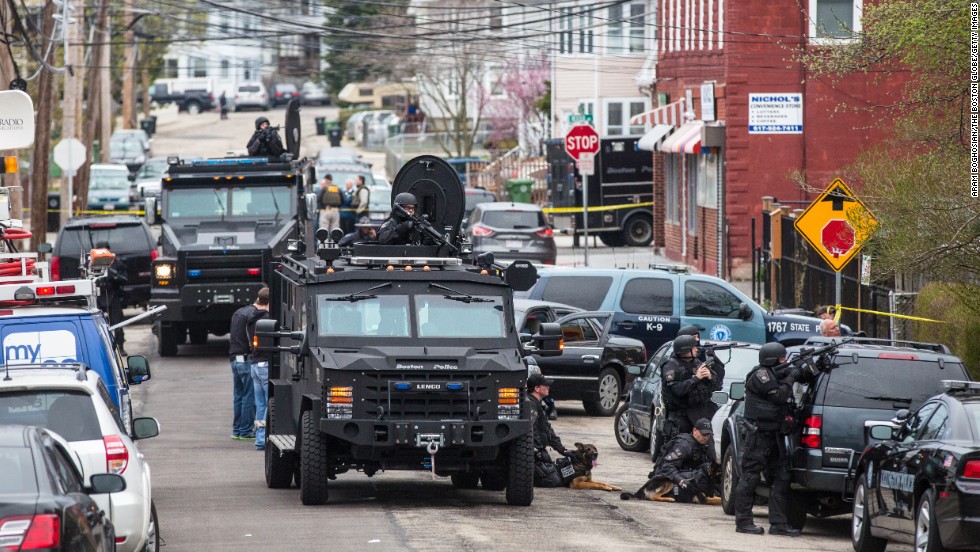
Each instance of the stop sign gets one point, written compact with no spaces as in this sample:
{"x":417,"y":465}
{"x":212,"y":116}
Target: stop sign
{"x":837,"y":237}
{"x":581,"y":139}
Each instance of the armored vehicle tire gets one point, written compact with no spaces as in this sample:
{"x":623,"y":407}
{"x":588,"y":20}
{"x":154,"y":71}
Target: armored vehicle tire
{"x":520,"y":471}
{"x":638,"y":231}
{"x":493,"y":480}
{"x":612,"y":239}
{"x":729,"y":481}
{"x":167,"y":341}
{"x":313,"y":463}
{"x":627,"y":440}
{"x":609,"y":387}
{"x":279,"y":467}
{"x":198,"y":336}
{"x":465,"y":480}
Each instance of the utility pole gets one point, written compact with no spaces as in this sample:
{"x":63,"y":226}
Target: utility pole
{"x":94,"y":93}
{"x":129,"y":68}
{"x":74,"y":78}
{"x":105,"y":92}
{"x":42,"y":137}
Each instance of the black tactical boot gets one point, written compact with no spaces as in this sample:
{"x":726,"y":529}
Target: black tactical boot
{"x":750,"y":529}
{"x":784,"y":530}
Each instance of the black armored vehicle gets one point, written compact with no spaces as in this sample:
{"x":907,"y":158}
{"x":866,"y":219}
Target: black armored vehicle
{"x":400,"y":357}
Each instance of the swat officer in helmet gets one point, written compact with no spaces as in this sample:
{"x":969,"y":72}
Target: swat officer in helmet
{"x":716,"y":365}
{"x":687,"y":387}
{"x":399,"y":228}
{"x":265,"y":142}
{"x":545,"y":472}
{"x":768,"y":402}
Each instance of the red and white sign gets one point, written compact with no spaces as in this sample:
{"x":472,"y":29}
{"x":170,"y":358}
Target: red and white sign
{"x":581,"y":139}
{"x":586,"y":164}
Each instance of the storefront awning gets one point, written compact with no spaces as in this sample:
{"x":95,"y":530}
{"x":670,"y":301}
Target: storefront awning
{"x":669,"y":114}
{"x":654,"y":137}
{"x":686,"y":139}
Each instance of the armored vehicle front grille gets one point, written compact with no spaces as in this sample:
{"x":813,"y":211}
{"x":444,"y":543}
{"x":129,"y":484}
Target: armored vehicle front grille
{"x":219,"y":267}
{"x":459,"y":401}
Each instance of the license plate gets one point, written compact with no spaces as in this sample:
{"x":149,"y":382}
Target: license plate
{"x":110,"y":207}
{"x":513,"y":244}
{"x":224,"y":299}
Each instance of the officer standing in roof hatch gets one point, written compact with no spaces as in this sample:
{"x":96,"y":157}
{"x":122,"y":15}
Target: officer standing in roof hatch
{"x":399,"y":228}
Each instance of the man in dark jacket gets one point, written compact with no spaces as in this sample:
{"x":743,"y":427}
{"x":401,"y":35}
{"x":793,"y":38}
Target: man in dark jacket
{"x":259,"y":368}
{"x":545,"y":473}
{"x":687,"y":461}
{"x":239,"y":351}
{"x":687,"y":388}
{"x":399,"y":228}
{"x":265,"y":142}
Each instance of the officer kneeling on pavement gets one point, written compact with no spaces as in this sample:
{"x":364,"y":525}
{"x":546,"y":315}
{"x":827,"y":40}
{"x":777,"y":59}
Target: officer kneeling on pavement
{"x":687,"y":387}
{"x":545,"y":472}
{"x":768,"y":402}
{"x":688,"y":461}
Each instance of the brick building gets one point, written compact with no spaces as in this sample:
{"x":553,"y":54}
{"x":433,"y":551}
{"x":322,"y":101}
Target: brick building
{"x":716,"y":151}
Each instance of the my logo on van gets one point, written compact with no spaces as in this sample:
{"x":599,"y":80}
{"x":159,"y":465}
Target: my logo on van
{"x":54,"y":346}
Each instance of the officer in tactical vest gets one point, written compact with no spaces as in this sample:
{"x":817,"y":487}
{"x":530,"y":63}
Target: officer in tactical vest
{"x":768,"y":403}
{"x":545,"y":472}
{"x":399,"y":228}
{"x":687,"y":462}
{"x":687,"y":388}
{"x":716,"y":365}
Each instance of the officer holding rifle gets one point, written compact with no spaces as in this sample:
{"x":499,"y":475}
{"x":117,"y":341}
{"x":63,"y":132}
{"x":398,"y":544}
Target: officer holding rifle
{"x":688,"y":383}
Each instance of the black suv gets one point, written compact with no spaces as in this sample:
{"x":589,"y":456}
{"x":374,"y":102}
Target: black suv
{"x":867,"y":379}
{"x":128,"y":237}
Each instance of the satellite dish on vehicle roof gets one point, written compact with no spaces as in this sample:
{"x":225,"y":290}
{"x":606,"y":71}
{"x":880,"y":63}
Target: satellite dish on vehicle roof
{"x":436,"y":186}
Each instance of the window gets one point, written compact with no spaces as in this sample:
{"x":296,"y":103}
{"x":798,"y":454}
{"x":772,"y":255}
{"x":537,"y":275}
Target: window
{"x":199,"y":67}
{"x":618,"y":114}
{"x":586,"y":106}
{"x":70,"y":414}
{"x":908,"y":385}
{"x":381,"y":315}
{"x":67,"y":474}
{"x":584,"y":292}
{"x":692,"y":192}
{"x":565,"y":34}
{"x":835,"y":19}
{"x":648,"y":296}
{"x":672,"y":198}
{"x":122,"y":239}
{"x":514,"y":219}
{"x":626,"y":28}
{"x":496,"y":18}
{"x":224,"y":68}
{"x":111,"y":406}
{"x":936,"y":426}
{"x":708,"y":299}
{"x":452,"y":316}
{"x":586,"y":23}
{"x":17,"y":466}
{"x":170,"y":70}
{"x":708,"y":181}
{"x":578,"y":330}
{"x":362,"y":92}
{"x":916,"y":423}
{"x":261,"y":201}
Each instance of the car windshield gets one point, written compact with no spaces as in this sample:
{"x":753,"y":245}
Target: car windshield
{"x":261,"y":201}
{"x":70,"y":414}
{"x":517,"y":220}
{"x":380,"y":199}
{"x":17,"y":467}
{"x":472,"y":200}
{"x":258,"y":201}
{"x":341,"y":177}
{"x":887,"y":384}
{"x":153,"y":169}
{"x":129,"y":238}
{"x":128,"y":146}
{"x":584,"y":292}
{"x":449,"y":315}
{"x":109,"y":180}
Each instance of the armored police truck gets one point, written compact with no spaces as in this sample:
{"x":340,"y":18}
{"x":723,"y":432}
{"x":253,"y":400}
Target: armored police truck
{"x":400,"y":357}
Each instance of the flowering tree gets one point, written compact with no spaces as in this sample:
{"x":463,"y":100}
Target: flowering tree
{"x":519,"y":115}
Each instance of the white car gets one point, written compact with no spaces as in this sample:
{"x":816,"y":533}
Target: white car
{"x":72,"y":401}
{"x":381,"y":180}
{"x":251,"y":94}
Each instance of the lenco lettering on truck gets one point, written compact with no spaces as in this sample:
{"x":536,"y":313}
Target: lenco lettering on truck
{"x":400,"y":357}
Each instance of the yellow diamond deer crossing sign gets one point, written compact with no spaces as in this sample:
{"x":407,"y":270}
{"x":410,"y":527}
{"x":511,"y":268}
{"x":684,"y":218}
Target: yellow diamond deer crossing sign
{"x":836,"y":224}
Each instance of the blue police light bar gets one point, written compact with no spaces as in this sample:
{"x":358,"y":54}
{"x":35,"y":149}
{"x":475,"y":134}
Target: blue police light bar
{"x":402,"y":386}
{"x":194,"y":273}
{"x":230,"y":162}
{"x":454,"y":386}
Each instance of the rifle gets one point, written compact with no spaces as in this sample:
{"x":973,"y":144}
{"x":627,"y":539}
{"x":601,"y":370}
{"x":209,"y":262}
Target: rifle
{"x":805,"y":360}
{"x":427,"y":228}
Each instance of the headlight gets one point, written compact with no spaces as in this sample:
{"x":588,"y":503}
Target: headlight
{"x":164,"y":271}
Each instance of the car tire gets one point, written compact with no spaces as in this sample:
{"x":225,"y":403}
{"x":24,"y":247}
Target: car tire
{"x":153,"y":533}
{"x":520,"y":471}
{"x":797,"y":504}
{"x":626,"y":439}
{"x":729,"y":481}
{"x":926,"y":525}
{"x":612,"y":239}
{"x":197,"y":336}
{"x":193,"y":108}
{"x":279,"y":466}
{"x":465,"y":480}
{"x":861,"y":537}
{"x":638,"y":231}
{"x":313,"y":489}
{"x":166,"y":341}
{"x":610,"y":387}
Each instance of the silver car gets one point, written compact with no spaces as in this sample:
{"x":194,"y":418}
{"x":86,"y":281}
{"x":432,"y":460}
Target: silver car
{"x":512,"y":231}
{"x":251,"y":94}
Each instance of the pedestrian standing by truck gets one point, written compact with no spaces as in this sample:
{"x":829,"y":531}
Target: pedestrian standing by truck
{"x":259,"y":367}
{"x":240,"y":350}
{"x":223,"y":103}
{"x":329,"y":200}
{"x":768,"y":401}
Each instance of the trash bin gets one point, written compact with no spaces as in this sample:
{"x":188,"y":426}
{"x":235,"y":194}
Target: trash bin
{"x":54,"y":217}
{"x":149,"y":125}
{"x":321,"y":125}
{"x":334,"y":135}
{"x":519,"y":190}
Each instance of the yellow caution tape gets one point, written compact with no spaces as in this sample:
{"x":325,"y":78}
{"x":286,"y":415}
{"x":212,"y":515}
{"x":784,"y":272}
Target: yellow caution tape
{"x":596,"y":209}
{"x":140,"y":213}
{"x":893,"y":315}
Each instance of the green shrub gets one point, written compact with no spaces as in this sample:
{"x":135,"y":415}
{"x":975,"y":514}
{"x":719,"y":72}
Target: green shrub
{"x":955,"y":304}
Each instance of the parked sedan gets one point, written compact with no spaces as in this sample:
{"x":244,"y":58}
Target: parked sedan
{"x":919,"y":483}
{"x":530,"y":314}
{"x":593,"y":364}
{"x":108,"y":187}
{"x":512,"y":231}
{"x":282,"y":93}
{"x":149,"y":179}
{"x":313,"y":93}
{"x":44,"y":499}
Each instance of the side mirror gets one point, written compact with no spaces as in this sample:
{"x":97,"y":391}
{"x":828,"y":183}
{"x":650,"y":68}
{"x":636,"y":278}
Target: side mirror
{"x":137,"y":369}
{"x":150,"y":211}
{"x":635,"y":369}
{"x":144,"y":428}
{"x":744,"y":311}
{"x":104,"y":483}
{"x":549,"y":340}
{"x":881,"y":432}
{"x":267,"y":334}
{"x":44,"y":248}
{"x":310,"y":206}
{"x":736,"y":390}
{"x":719,"y":398}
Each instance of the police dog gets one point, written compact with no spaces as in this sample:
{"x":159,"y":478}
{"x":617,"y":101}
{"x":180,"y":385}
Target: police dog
{"x":583,"y":460}
{"x":659,"y":487}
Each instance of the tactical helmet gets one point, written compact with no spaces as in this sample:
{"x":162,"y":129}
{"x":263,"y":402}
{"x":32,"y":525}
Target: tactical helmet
{"x":770,"y":353}
{"x":691,"y":330}
{"x":259,"y":121}
{"x":684,"y":344}
{"x":405,"y":198}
